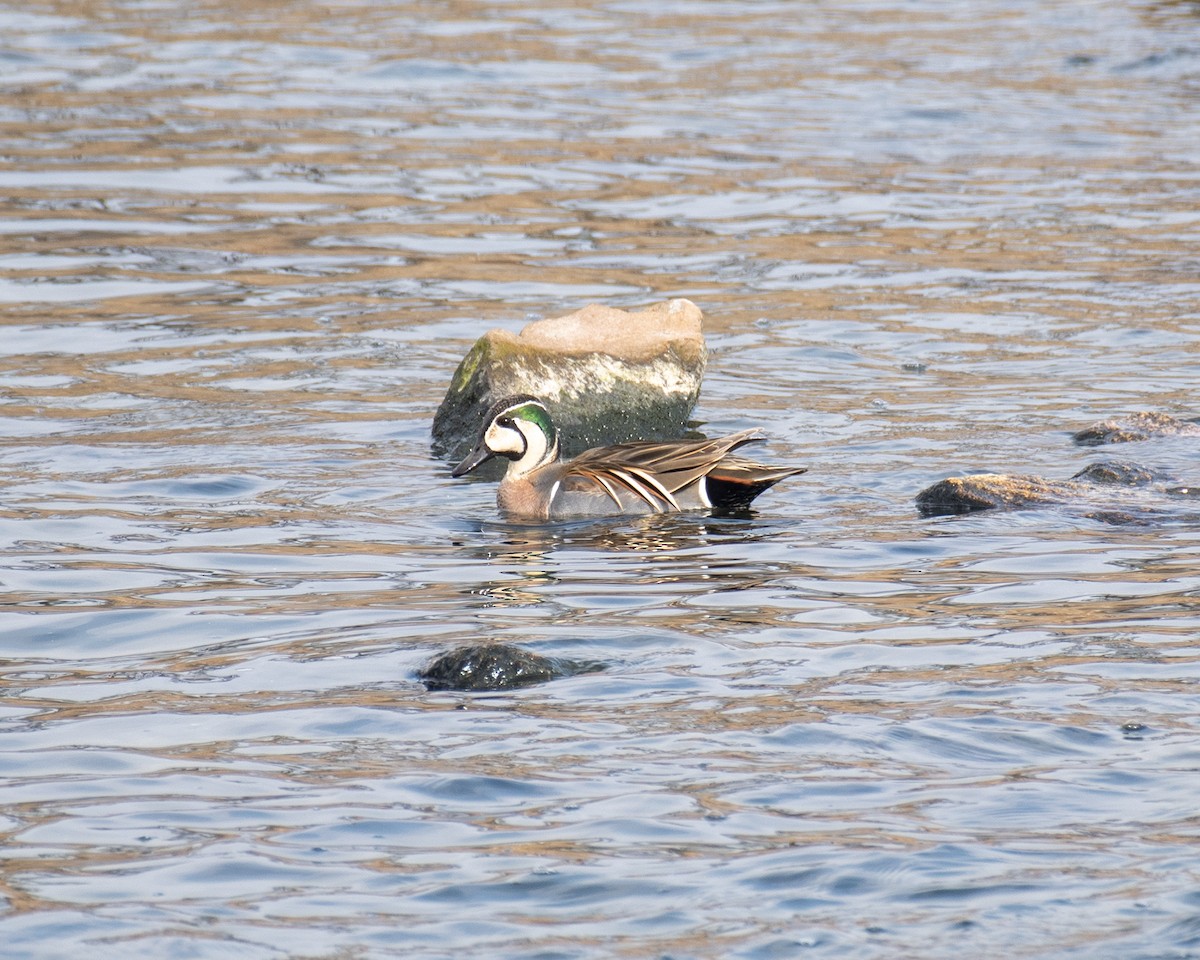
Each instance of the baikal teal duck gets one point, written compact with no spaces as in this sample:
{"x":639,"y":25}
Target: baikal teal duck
{"x":624,"y":479}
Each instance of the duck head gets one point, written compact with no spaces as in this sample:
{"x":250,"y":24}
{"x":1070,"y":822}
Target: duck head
{"x":518,"y":428}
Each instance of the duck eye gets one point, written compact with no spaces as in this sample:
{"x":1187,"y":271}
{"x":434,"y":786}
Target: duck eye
{"x":504,"y":421}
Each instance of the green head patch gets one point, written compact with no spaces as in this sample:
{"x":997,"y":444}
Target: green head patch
{"x":534,"y":412}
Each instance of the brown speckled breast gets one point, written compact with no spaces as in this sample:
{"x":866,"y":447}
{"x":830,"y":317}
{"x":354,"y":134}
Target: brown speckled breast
{"x":520,"y":498}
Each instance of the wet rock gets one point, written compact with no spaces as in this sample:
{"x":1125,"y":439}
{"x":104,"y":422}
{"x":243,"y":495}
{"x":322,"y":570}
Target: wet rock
{"x":496,"y":666}
{"x":1119,"y":473}
{"x":987,"y":491}
{"x":1117,"y":491}
{"x":1137,"y":426}
{"x":606,"y":375}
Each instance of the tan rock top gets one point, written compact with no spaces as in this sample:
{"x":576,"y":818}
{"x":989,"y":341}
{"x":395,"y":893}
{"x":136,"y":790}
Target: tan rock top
{"x":618,"y":333}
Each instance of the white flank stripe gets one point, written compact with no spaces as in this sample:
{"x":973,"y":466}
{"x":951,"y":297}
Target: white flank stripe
{"x":608,"y":488}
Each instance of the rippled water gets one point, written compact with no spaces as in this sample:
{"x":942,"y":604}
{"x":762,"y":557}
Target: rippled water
{"x":241,"y":252}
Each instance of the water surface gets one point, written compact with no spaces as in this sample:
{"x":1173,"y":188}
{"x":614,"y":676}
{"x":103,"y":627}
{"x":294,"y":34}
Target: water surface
{"x":241,"y":253}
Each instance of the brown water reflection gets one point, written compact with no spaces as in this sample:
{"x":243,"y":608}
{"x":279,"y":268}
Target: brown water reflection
{"x":241,"y":251}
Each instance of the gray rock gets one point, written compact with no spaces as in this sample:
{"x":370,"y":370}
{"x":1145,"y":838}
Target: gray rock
{"x":496,"y":666}
{"x":605,"y":374}
{"x":1137,"y":426}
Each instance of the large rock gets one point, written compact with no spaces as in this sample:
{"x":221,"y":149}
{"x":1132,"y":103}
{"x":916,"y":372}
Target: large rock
{"x":606,"y":375}
{"x":1136,"y":426}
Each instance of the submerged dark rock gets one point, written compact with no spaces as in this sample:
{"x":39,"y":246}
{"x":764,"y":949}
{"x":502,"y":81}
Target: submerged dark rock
{"x":1136,"y":426}
{"x":496,"y":666}
{"x":606,"y":376}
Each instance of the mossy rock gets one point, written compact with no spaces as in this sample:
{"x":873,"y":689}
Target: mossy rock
{"x":606,"y":376}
